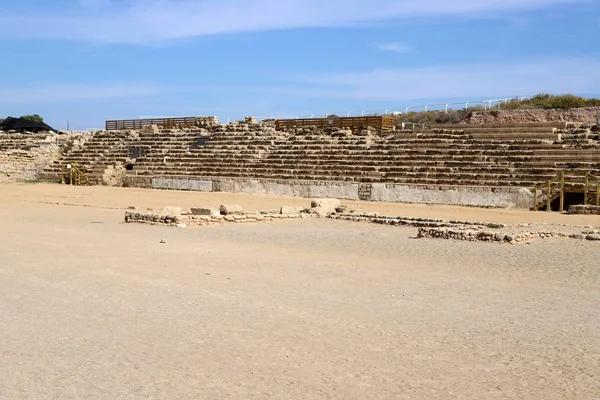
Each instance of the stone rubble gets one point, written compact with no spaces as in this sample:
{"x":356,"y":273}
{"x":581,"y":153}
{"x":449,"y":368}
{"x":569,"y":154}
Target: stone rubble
{"x":427,"y":228}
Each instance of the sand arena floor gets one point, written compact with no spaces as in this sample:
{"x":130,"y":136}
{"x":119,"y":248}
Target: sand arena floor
{"x":92,"y":308}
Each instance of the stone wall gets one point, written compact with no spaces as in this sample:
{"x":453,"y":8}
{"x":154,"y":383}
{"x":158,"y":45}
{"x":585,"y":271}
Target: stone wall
{"x":584,"y":210}
{"x":584,"y":115}
{"x":521,"y":198}
{"x":27,"y":158}
{"x":182,"y":219}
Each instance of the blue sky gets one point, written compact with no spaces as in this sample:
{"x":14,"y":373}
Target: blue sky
{"x":86,"y":61}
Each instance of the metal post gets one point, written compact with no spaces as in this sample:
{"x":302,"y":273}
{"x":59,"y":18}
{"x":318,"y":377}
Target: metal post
{"x":562,"y":191}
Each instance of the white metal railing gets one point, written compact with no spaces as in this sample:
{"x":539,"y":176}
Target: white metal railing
{"x":446,"y":107}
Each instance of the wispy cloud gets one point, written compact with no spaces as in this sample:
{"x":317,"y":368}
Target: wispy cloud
{"x":63,"y":93}
{"x":463,"y":81}
{"x":147,"y":21}
{"x":393,"y":47}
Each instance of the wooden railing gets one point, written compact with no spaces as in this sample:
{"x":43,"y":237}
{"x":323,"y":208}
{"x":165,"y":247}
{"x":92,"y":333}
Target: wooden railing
{"x":385,"y":123}
{"x":592,"y":189}
{"x":113,"y":125}
{"x":71,"y":174}
{"x":555,"y":188}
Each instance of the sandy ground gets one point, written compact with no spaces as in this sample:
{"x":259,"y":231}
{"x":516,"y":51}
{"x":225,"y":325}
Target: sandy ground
{"x":91,"y":308}
{"x":121,"y":198}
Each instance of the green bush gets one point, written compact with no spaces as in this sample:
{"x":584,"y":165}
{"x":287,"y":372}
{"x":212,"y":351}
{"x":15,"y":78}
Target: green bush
{"x":549,"y":101}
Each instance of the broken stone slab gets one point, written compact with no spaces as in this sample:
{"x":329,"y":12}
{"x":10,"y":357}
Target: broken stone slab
{"x":170,"y":211}
{"x":330,"y":204}
{"x":593,"y":237}
{"x":321,"y":211}
{"x":286,"y":210}
{"x":208,"y":211}
{"x":231,"y":209}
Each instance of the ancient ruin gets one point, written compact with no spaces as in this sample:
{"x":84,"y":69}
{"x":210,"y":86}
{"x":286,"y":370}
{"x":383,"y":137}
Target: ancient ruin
{"x":540,"y":165}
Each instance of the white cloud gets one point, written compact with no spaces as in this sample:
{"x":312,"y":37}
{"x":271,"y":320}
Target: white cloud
{"x":464,"y":81}
{"x":157,"y":20}
{"x":393,"y":47}
{"x":63,"y":93}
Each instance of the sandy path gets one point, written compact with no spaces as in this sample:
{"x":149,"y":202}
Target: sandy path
{"x":91,"y":308}
{"x":98,"y":196}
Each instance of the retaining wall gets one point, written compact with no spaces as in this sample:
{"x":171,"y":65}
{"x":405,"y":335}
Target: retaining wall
{"x":431,"y":194}
{"x":584,"y":210}
{"x":585,"y":115}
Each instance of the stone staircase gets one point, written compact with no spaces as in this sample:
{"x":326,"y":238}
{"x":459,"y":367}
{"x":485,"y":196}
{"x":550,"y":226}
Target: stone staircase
{"x":104,"y":150}
{"x":517,"y":155}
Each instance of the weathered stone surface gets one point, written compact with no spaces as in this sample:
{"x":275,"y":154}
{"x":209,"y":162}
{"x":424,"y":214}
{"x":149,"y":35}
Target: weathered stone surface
{"x":593,"y":237}
{"x":210,"y":211}
{"x":231,"y":209}
{"x":321,"y":211}
{"x":329,"y":204}
{"x":170,"y":211}
{"x":290,"y":210}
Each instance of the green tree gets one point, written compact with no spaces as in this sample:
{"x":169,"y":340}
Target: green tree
{"x":33,"y":117}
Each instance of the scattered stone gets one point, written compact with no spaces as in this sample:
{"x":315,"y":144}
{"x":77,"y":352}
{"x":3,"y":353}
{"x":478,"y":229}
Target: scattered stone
{"x":170,"y":211}
{"x":285,"y":210}
{"x":183,"y":226}
{"x":321,"y":211}
{"x":209,"y":211}
{"x":330,"y":204}
{"x":593,"y":237}
{"x":163,"y":241}
{"x":231,"y":209}
{"x":132,"y":208}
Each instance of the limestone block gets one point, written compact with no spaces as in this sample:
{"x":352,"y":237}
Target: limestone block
{"x":593,"y":237}
{"x":231,"y":209}
{"x":329,"y":204}
{"x":321,"y":211}
{"x":211,"y":212}
{"x":170,"y":211}
{"x":290,"y":210}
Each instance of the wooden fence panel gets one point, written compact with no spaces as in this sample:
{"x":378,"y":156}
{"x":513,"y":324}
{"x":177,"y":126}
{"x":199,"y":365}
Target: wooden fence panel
{"x":113,"y":125}
{"x":385,"y":123}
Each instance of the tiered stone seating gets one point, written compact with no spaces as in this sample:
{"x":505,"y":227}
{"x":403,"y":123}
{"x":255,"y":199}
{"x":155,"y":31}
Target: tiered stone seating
{"x":497,"y":156}
{"x":20,"y":141}
{"x":102,"y":150}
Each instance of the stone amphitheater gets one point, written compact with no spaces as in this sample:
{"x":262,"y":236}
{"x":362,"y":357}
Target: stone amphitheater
{"x":489,"y":165}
